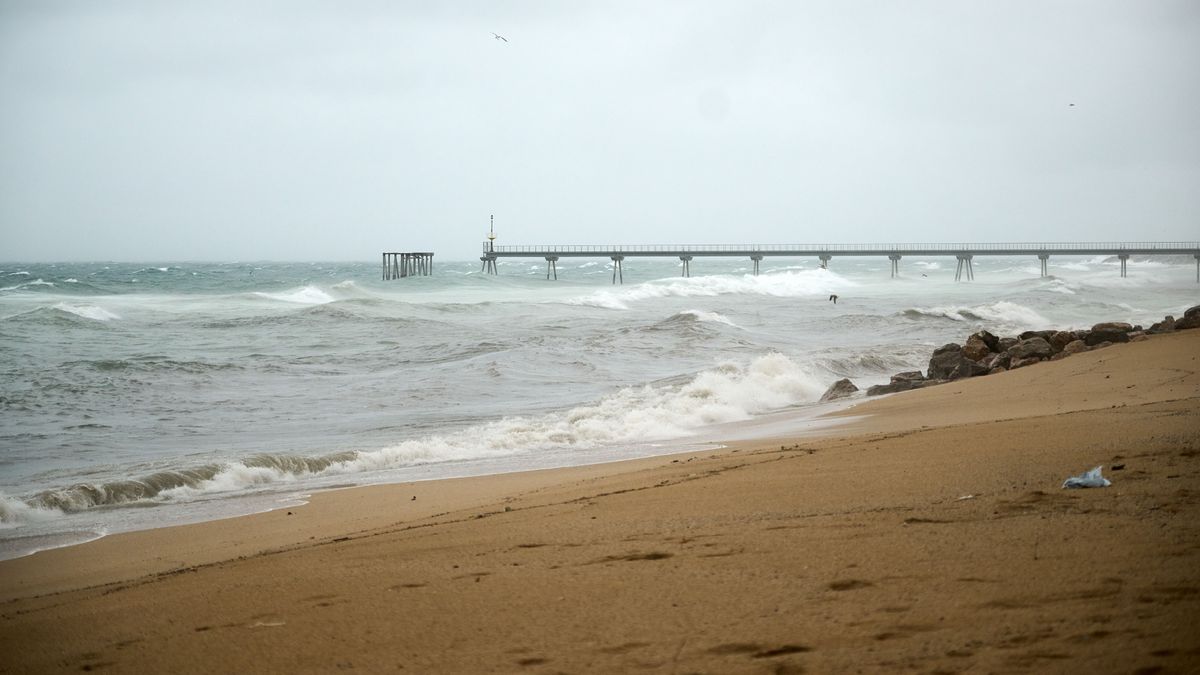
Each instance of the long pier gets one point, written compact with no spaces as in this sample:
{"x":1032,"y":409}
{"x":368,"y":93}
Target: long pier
{"x":964,"y":253}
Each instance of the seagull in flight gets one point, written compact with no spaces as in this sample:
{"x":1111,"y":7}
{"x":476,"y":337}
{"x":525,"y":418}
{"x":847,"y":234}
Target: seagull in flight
{"x":499,"y":37}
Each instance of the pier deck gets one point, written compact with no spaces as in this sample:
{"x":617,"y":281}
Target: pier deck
{"x":964,"y":252}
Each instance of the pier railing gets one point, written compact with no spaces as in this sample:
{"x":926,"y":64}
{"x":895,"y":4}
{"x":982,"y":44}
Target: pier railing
{"x":1062,"y":248}
{"x":964,"y":252}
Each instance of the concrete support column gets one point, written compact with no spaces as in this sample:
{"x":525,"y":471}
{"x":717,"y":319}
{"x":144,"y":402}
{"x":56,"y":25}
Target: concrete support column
{"x":617,"y":271}
{"x":895,"y":265}
{"x":552,"y":266}
{"x":687,"y":265}
{"x":756,"y":259}
{"x":964,"y":265}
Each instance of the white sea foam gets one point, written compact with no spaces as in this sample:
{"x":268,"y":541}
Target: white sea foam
{"x":711,"y":317}
{"x":93,"y":312}
{"x":308,"y":295}
{"x":792,"y":284}
{"x":232,"y":477}
{"x":15,"y":512}
{"x":729,"y":392}
{"x":71,"y":281}
{"x":636,"y":414}
{"x":1059,"y":286}
{"x":1002,"y":315}
{"x":27,"y":284}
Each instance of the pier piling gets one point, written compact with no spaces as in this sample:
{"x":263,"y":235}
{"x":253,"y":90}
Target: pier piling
{"x":617,"y":271}
{"x":687,"y":265}
{"x":964,"y":265}
{"x":401,"y":265}
{"x":895,"y":265}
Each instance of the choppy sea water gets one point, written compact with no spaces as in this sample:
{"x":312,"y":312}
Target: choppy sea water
{"x":137,"y":396}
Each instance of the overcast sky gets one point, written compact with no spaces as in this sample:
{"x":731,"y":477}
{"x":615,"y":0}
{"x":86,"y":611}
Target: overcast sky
{"x":335,"y":130}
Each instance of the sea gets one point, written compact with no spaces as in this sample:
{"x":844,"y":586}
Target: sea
{"x":135,"y":396}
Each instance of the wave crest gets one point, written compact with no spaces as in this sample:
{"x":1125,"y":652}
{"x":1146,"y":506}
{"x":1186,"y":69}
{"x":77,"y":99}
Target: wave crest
{"x":1003,"y":314}
{"x":727,"y":393}
{"x":792,"y":284}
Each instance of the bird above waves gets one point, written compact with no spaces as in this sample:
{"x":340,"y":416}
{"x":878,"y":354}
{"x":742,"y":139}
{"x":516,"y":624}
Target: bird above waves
{"x":499,"y":37}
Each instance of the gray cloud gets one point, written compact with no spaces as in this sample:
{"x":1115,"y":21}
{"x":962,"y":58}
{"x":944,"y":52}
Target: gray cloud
{"x":136,"y":130}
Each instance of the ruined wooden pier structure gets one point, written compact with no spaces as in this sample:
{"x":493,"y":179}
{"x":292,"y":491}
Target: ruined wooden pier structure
{"x":400,"y":265}
{"x":964,"y":253}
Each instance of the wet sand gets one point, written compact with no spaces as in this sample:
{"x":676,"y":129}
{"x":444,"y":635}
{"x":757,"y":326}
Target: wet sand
{"x":929,"y":535}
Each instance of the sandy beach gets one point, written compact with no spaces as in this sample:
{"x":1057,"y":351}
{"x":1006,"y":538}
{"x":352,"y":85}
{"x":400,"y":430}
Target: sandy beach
{"x":929,"y":534}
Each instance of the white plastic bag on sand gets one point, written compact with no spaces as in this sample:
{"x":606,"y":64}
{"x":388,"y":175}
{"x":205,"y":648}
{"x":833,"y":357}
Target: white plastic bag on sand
{"x":1088,"y":479}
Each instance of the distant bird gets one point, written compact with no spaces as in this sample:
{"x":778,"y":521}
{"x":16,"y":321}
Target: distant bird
{"x":1069,"y":105}
{"x":501,"y":37}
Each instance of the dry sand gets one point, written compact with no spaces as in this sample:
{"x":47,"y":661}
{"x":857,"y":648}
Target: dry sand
{"x":930,"y":536}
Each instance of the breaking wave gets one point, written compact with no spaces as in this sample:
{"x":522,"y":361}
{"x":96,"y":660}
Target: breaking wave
{"x":315,"y":295}
{"x":790,"y":284}
{"x":308,"y":295}
{"x":93,"y":312}
{"x":28,"y":284}
{"x":1003,"y":315}
{"x":727,"y":393}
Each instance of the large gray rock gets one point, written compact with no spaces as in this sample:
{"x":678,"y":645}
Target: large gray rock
{"x":1112,"y":331}
{"x":1034,"y":346}
{"x":968,"y":368}
{"x":1189,"y":320}
{"x":950,"y":363}
{"x":1061,"y":339}
{"x":840,"y":389}
{"x":1165,"y":326}
{"x":1004,"y":343}
{"x":894,"y":387}
{"x":1021,"y":363}
{"x":911,"y":379}
{"x":992,"y":342}
{"x":993,"y":361}
{"x":1044,"y":334}
{"x":908,"y":376}
{"x":1187,"y":323}
{"x":943,"y":360}
{"x":1073,"y":347}
{"x":976,"y":349}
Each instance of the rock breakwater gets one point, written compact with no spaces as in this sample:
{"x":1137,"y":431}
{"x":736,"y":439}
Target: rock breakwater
{"x":986,"y":354}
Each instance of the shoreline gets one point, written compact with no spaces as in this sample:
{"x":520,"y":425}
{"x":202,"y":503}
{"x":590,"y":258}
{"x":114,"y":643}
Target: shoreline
{"x":931,"y":533}
{"x":808,"y":419}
